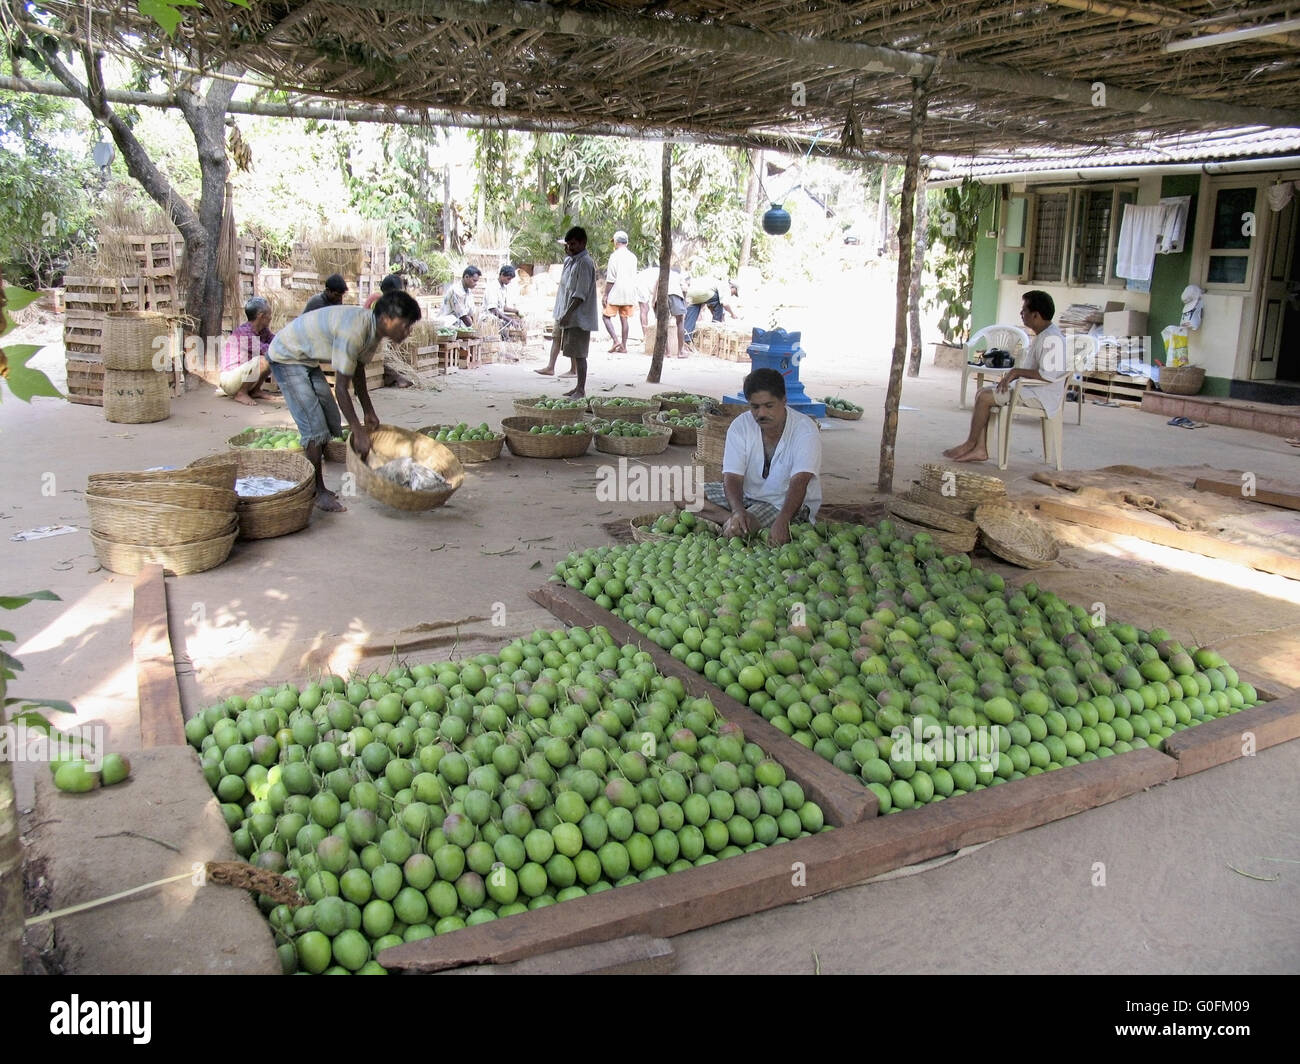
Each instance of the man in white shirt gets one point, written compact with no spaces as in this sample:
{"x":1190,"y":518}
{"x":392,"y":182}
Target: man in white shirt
{"x":771,"y":465}
{"x":1045,"y":361}
{"x":620,"y":291}
{"x":458,"y":303}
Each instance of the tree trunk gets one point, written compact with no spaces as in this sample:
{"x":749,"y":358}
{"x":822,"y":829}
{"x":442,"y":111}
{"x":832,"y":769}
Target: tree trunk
{"x":201,"y":230}
{"x":882,"y":211}
{"x":755,"y":158}
{"x":889,"y":431}
{"x":663,"y":320}
{"x":918,"y":266}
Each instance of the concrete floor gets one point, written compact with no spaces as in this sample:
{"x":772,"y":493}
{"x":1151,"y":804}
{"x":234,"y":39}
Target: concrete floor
{"x":456,"y":579}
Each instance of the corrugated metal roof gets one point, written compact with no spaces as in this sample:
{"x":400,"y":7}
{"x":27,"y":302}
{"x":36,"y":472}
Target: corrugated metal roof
{"x":1200,"y":147}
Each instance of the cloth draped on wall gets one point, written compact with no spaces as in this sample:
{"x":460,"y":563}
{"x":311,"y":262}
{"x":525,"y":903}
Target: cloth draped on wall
{"x":1142,"y":231}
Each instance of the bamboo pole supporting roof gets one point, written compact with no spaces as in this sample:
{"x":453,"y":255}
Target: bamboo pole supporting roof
{"x":1002,"y":75}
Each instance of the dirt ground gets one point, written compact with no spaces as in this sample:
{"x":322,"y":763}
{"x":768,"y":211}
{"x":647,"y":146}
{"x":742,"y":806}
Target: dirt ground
{"x":362,"y":586}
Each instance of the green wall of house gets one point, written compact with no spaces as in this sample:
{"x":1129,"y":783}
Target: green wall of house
{"x":1171,"y":273}
{"x":984,"y":295}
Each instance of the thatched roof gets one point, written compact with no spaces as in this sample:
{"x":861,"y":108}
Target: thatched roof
{"x":1002,"y":73}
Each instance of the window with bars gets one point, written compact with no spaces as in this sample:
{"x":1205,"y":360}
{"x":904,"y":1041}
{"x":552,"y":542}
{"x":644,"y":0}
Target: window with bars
{"x":1073,"y":235}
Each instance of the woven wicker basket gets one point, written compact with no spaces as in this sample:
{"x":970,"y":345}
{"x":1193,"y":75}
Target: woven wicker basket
{"x":168,"y":493}
{"x":930,"y":517}
{"x":136,"y":397}
{"x":674,"y":401}
{"x":1015,"y":536}
{"x":220,"y":473}
{"x":843,"y":415}
{"x":528,"y":408}
{"x":683,"y":435}
{"x":178,"y":559}
{"x":1181,"y":380}
{"x":952,"y":542}
{"x":389,"y":442}
{"x":129,"y":339}
{"x":636,"y":446}
{"x":152,"y":524}
{"x":721,"y":419}
{"x":336,"y":450}
{"x":271,"y":515}
{"x":937,"y":501}
{"x":469,"y":451}
{"x":971,"y":488}
{"x":642,"y":534}
{"x":603,"y":409}
{"x":240,"y":440}
{"x":523,"y":443}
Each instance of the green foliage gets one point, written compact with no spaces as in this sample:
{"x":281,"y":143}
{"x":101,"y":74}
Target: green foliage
{"x":954,"y":227}
{"x":23,"y":382}
{"x":11,"y":666}
{"x":44,"y":205}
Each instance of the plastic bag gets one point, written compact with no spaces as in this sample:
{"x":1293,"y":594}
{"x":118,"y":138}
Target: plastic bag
{"x":1175,"y":338}
{"x":408,"y":473}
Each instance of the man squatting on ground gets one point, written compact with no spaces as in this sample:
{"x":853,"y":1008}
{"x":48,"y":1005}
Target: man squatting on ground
{"x":348,"y":338}
{"x":771,"y":465}
{"x":1045,"y":361}
{"x":244,"y":365}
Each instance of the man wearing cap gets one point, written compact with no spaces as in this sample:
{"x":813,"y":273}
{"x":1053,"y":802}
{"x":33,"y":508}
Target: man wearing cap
{"x":331,"y":296}
{"x":620,"y":291}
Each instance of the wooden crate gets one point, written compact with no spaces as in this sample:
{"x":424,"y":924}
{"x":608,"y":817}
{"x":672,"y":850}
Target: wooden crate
{"x":471,"y":353}
{"x":85,"y":381}
{"x":435,"y":358}
{"x":374,"y":373}
{"x":1114,"y":388}
{"x":489,"y":351}
{"x":158,"y":254}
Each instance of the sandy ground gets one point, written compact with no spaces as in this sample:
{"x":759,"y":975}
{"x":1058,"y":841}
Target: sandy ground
{"x":352,"y":586}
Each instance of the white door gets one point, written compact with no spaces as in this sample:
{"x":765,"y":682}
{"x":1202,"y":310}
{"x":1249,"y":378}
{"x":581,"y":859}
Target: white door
{"x":1281,"y":271}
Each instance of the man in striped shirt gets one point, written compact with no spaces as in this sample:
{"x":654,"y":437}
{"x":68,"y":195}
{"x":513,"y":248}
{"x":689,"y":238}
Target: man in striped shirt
{"x":346,"y":337}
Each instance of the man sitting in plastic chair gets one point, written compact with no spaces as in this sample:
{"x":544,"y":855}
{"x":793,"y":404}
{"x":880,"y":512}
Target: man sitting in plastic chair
{"x":1045,"y":361}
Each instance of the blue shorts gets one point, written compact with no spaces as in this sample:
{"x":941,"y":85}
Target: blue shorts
{"x":308,"y":396}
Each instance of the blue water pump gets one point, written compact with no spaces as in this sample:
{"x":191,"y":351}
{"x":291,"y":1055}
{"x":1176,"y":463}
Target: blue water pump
{"x":779,"y":350}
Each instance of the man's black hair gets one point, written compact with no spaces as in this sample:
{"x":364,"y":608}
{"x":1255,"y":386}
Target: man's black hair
{"x":397,"y":305}
{"x":1039,"y":302}
{"x":472,"y":271}
{"x":765,"y":380}
{"x":507,"y":270}
{"x":335,"y":283}
{"x":393,"y":283}
{"x":576,"y":233}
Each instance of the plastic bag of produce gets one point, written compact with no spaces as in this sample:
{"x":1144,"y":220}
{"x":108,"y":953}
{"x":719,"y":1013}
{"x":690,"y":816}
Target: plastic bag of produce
{"x":408,"y":473}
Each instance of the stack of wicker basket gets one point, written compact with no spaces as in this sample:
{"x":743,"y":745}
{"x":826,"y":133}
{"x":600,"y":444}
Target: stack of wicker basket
{"x":181,"y":519}
{"x":943,"y":506}
{"x":135,"y":391}
{"x":711,"y":440}
{"x":267,"y":516}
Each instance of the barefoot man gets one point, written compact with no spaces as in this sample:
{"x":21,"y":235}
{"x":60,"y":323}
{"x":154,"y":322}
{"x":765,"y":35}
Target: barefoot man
{"x":244,"y":366}
{"x":1045,"y":361}
{"x":770,"y":465}
{"x":577,"y":306}
{"x":348,"y":338}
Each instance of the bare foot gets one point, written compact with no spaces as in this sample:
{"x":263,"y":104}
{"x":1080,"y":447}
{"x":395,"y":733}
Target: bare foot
{"x":958,"y":451}
{"x":328,"y":501}
{"x":545,"y":372}
{"x":569,"y":373}
{"x":576,"y":393}
{"x":243,"y":400}
{"x":979,"y":454}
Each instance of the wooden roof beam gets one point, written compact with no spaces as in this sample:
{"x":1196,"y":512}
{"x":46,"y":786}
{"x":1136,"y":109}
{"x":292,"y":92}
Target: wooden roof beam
{"x":714,"y":38}
{"x":1165,"y":17}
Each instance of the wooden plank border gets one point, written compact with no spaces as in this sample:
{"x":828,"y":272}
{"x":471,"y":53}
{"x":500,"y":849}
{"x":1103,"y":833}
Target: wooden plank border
{"x":1217,"y":742}
{"x":843,"y":799}
{"x":1232,"y":490}
{"x":781,"y":874}
{"x":162,"y":722}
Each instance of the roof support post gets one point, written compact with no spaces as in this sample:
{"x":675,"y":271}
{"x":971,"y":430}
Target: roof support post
{"x":663,"y":320}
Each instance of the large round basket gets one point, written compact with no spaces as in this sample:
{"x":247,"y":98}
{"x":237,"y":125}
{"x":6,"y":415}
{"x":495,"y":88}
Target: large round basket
{"x":268,"y":516}
{"x":241,"y":441}
{"x":685,"y":402}
{"x":388,"y":442}
{"x":951,"y":542}
{"x":168,"y":493}
{"x":970,"y":488}
{"x":219,"y":474}
{"x":641,"y":528}
{"x":130,"y":339}
{"x":683,"y":435}
{"x":526,"y":445}
{"x":547,"y":416}
{"x":1015,"y":536}
{"x":931,"y":517}
{"x":843,"y":415}
{"x":636,"y":446}
{"x":1181,"y":380}
{"x":153,"y":523}
{"x":938,"y":501}
{"x":628,"y":412}
{"x":469,"y":451}
{"x":179,"y":559}
{"x":136,"y":397}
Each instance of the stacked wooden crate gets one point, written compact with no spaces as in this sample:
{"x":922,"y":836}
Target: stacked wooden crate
{"x":88,"y":300}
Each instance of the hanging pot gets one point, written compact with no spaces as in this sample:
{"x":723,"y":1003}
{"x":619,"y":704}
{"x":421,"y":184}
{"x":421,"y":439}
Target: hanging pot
{"x":103,"y":153}
{"x":776,"y":220}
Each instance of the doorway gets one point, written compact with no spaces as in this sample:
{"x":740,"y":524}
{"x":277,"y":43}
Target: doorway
{"x":1277,"y":346}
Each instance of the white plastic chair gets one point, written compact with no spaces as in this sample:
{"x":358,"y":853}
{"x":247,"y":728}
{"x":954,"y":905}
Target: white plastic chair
{"x":1025,"y":399}
{"x":1008,"y":337}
